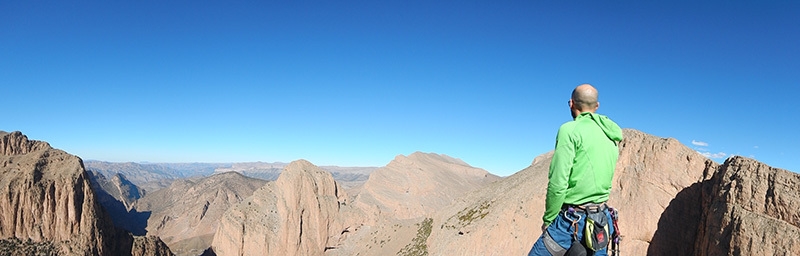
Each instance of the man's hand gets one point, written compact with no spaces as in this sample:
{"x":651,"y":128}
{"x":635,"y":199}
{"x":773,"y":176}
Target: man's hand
{"x":544,"y":227}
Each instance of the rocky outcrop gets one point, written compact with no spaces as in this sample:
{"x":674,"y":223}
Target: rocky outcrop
{"x":294,"y":215}
{"x":46,"y":198}
{"x":749,"y":208}
{"x":15,"y":143}
{"x":418,"y":185}
{"x":651,"y":173}
{"x":149,"y":246}
{"x":186,"y":214}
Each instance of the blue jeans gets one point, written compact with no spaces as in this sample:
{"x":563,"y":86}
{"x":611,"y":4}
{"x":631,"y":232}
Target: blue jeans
{"x":561,"y":231}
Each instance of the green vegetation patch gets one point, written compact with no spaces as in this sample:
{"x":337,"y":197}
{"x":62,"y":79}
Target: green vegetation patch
{"x":467,"y":215}
{"x":419,"y":245}
{"x":14,"y":247}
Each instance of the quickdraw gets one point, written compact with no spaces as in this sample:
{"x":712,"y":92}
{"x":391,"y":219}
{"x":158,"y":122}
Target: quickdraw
{"x":575,"y":222}
{"x":616,"y":237}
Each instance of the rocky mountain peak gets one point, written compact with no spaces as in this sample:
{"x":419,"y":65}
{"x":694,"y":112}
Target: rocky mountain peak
{"x":16,"y":143}
{"x":420,"y":158}
{"x":300,"y":165}
{"x":418,"y":185}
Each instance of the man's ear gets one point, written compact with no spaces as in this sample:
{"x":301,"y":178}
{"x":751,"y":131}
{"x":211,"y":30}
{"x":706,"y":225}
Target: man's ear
{"x":596,"y":107}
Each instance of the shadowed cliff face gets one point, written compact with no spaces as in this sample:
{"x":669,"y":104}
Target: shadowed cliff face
{"x":749,"y":208}
{"x":45,"y":196}
{"x":116,"y":196}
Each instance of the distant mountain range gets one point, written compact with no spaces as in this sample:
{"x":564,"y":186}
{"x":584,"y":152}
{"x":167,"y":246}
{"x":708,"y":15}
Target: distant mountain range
{"x":155,"y":176}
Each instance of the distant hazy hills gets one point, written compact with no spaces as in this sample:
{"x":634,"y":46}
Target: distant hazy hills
{"x":152,"y":176}
{"x":155,"y":176}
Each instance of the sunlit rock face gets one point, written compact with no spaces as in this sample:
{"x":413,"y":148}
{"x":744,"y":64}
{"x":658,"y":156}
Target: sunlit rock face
{"x":46,"y":200}
{"x":295,"y":215}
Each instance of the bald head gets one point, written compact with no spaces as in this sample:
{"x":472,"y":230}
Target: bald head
{"x":584,"y":97}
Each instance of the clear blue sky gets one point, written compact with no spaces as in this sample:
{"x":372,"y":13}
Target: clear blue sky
{"x":355,"y":83}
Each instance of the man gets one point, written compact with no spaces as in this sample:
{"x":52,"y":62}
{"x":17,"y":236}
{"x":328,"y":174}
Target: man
{"x":580,"y":176}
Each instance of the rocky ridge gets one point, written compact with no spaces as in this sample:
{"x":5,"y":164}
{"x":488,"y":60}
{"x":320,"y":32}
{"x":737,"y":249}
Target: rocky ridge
{"x":186,"y":214}
{"x":418,"y":185}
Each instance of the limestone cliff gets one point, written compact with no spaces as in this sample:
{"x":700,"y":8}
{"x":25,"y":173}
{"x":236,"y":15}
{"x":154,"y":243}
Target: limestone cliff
{"x":46,"y":198}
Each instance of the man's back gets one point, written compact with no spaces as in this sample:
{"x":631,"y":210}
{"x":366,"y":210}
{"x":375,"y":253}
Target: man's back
{"x":583,"y":164}
{"x":580,"y":178}
{"x":595,"y":158}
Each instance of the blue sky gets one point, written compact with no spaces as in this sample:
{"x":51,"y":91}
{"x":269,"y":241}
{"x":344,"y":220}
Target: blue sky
{"x":355,"y":83}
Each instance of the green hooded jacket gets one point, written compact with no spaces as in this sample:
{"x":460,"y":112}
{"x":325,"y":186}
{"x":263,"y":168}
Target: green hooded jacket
{"x":583,"y":163}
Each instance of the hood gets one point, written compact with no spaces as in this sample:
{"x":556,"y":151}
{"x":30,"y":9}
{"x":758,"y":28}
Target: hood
{"x":610,"y":128}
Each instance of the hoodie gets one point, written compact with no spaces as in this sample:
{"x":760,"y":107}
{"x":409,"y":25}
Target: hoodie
{"x":583,"y":163}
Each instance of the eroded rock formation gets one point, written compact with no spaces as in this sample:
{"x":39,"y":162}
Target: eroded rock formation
{"x":294,"y":215}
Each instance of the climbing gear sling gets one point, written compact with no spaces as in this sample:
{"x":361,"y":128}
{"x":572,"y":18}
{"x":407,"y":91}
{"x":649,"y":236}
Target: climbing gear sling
{"x":616,"y":237}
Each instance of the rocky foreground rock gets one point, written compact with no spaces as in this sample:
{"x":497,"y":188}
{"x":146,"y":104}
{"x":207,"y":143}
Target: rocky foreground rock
{"x":47,"y":205}
{"x":749,"y":208}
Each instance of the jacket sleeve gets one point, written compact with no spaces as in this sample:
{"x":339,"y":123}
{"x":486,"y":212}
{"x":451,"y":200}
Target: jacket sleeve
{"x":560,"y":169}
